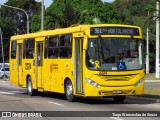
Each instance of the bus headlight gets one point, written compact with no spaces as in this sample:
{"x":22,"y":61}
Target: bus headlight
{"x":139,"y":82}
{"x":91,"y":82}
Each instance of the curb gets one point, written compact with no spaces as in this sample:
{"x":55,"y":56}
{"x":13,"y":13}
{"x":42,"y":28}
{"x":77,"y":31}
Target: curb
{"x":151,"y":80}
{"x":5,"y":80}
{"x":146,"y":97}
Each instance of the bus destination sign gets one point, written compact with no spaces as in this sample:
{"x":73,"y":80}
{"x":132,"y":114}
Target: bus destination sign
{"x":114,"y":31}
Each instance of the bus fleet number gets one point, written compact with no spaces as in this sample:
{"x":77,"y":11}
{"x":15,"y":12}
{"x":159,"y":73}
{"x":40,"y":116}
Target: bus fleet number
{"x":103,"y":72}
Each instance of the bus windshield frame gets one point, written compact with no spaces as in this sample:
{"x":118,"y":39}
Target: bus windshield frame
{"x":113,"y":54}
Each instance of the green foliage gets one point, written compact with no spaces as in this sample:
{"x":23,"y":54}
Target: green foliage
{"x":18,"y":18}
{"x":36,"y":19}
{"x":70,"y":12}
{"x":14,"y":21}
{"x":135,"y":12}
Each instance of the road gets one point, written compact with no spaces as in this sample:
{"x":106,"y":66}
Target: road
{"x":13,"y":98}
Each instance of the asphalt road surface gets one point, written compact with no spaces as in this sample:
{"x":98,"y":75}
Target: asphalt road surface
{"x":152,"y":85}
{"x":14,"y":101}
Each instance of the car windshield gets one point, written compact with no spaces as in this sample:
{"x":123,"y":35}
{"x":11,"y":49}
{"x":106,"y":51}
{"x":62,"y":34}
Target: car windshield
{"x":114,"y":54}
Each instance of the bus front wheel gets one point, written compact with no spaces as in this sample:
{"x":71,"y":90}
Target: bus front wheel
{"x":30,"y":89}
{"x":119,"y":99}
{"x":69,"y":91}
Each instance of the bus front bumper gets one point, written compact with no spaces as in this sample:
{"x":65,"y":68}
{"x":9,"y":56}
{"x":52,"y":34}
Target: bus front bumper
{"x":91,"y":91}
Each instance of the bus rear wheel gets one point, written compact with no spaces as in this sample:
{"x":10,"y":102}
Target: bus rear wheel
{"x":30,"y":90}
{"x":69,"y":91}
{"x":119,"y":99}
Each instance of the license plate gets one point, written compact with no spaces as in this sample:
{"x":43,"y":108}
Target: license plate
{"x":116,"y":92}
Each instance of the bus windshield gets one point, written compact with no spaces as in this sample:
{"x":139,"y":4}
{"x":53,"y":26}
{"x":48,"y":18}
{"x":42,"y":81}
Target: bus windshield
{"x":114,"y":54}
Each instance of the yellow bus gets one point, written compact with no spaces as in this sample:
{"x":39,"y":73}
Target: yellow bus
{"x":102,"y":60}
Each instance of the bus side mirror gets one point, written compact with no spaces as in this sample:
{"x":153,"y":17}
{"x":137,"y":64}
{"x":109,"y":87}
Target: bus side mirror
{"x":85,"y":44}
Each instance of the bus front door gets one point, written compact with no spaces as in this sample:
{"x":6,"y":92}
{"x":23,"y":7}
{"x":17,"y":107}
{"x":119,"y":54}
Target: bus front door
{"x":19,"y":62}
{"x":78,"y":65}
{"x":39,"y":62}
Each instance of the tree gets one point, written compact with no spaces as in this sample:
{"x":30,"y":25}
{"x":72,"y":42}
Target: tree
{"x":56,"y":17}
{"x":13,"y":21}
{"x":18,"y":18}
{"x":135,"y":12}
{"x":68,"y":12}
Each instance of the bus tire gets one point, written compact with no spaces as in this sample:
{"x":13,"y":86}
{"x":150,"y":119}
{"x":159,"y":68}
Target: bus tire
{"x":30,"y":90}
{"x":119,"y":99}
{"x":69,"y":91}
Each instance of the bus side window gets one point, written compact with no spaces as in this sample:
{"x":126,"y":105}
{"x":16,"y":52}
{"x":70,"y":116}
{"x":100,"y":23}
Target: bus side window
{"x":63,"y":53}
{"x":29,"y":54}
{"x":52,"y":53}
{"x":66,"y":46}
{"x":13,"y":49}
{"x":53,"y":47}
{"x":29,"y":48}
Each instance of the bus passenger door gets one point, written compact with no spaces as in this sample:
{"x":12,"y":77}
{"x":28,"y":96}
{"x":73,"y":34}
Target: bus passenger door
{"x":39,"y":62}
{"x":19,"y":62}
{"x":78,"y":65}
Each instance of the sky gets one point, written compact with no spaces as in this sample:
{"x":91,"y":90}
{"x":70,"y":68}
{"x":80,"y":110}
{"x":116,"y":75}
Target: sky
{"x":48,"y":2}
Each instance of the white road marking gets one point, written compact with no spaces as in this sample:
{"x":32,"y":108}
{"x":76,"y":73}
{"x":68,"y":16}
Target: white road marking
{"x":115,"y":118}
{"x":6,"y":84}
{"x":17,"y":92}
{"x":55,"y":103}
{"x":10,"y":92}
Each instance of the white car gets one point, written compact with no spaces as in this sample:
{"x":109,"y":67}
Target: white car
{"x":5,"y":64}
{"x":7,"y":72}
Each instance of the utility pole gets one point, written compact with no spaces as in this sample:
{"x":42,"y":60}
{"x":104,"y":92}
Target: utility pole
{"x":157,"y":41}
{"x":2,"y":53}
{"x":147,"y":50}
{"x":42,"y":15}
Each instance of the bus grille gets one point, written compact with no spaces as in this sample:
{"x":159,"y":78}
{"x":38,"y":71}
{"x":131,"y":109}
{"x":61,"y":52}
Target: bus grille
{"x":117,"y":77}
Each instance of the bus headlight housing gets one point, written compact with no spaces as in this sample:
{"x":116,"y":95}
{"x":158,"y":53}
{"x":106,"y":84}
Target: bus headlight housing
{"x":91,"y":82}
{"x":139,"y":82}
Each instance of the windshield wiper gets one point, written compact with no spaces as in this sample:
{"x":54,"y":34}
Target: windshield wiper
{"x":99,"y":51}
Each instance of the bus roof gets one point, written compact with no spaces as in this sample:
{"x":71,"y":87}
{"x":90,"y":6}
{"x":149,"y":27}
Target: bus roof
{"x":79,"y":28}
